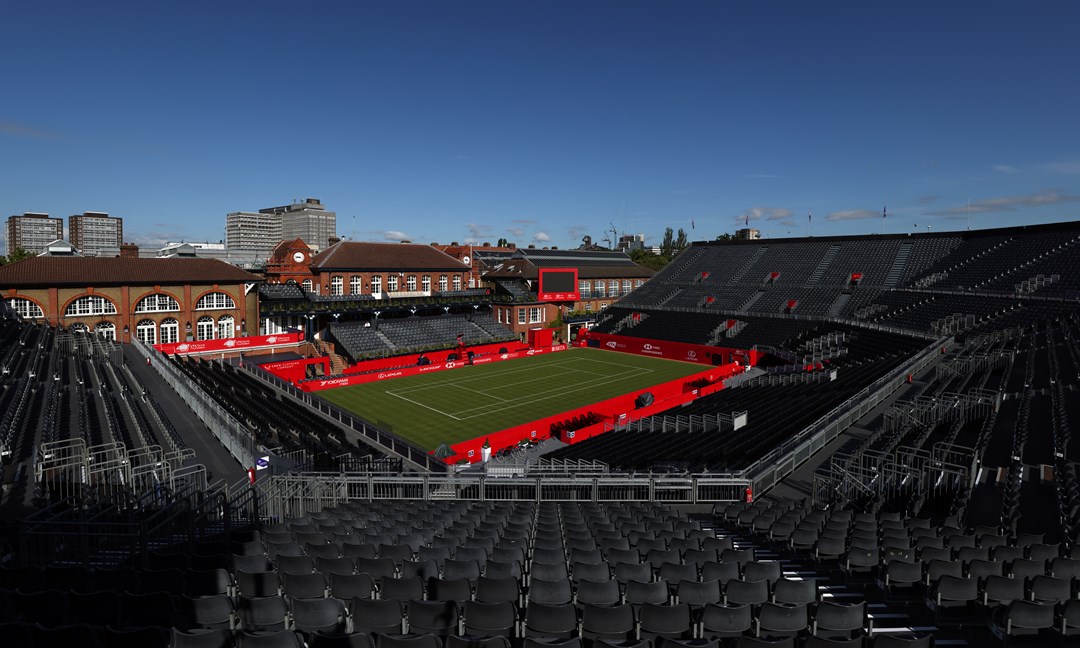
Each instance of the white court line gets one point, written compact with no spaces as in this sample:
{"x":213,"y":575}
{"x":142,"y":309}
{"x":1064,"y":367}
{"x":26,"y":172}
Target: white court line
{"x":564,"y":389}
{"x":427,"y":407}
{"x":460,"y":380}
{"x":530,"y":399}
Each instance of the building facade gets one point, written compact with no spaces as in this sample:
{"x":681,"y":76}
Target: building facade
{"x":91,"y":232}
{"x":604,"y":277}
{"x":154,"y":300}
{"x":252,"y":233}
{"x":307,"y":220}
{"x":32,"y":232}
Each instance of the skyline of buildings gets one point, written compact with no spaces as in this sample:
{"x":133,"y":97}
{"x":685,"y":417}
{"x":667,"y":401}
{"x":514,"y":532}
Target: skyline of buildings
{"x":91,"y":232}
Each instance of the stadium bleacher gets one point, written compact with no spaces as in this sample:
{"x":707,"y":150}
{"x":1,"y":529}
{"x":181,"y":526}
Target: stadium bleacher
{"x":948,"y":513}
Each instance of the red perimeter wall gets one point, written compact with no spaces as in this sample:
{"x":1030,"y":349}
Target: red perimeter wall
{"x":699,"y":353}
{"x":295,"y":370}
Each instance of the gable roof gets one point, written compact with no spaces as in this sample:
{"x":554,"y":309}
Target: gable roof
{"x":590,"y":264}
{"x":363,"y":256}
{"x":46,"y":271}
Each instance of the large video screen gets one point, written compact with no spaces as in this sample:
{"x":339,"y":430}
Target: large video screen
{"x":558,"y":284}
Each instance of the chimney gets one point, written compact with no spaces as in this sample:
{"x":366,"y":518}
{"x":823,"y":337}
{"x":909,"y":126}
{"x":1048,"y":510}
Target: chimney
{"x":333,"y":240}
{"x":129,"y":251}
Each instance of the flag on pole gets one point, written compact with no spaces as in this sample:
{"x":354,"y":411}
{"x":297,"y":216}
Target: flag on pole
{"x":810,"y":217}
{"x":883,"y":214}
{"x":692,"y":224}
{"x":748,"y":219}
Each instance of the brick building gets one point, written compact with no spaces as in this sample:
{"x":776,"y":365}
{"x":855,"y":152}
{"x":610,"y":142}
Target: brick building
{"x":155,"y":300}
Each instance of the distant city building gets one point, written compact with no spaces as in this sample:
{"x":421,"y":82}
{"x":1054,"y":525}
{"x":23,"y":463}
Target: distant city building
{"x":747,"y":234}
{"x":33,"y":232}
{"x":90,"y":232}
{"x":630,"y":242}
{"x":59,"y":247}
{"x":307,"y":220}
{"x":252,"y":232}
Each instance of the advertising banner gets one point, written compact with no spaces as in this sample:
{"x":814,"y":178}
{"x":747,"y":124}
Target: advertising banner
{"x":229,"y":344}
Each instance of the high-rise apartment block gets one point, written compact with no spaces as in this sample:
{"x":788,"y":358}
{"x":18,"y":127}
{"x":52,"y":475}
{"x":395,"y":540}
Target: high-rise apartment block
{"x":258,"y":232}
{"x":253,"y":233}
{"x":32,"y":232}
{"x":91,"y":232}
{"x":307,"y":220}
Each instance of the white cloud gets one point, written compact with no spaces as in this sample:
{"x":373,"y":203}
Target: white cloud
{"x":1007,"y":203}
{"x":515,"y":231}
{"x":541,"y":237}
{"x":1068,"y":167}
{"x":479,"y":231}
{"x":1006,"y":168}
{"x":851,"y":214}
{"x":764,"y":213}
{"x":396,"y":236}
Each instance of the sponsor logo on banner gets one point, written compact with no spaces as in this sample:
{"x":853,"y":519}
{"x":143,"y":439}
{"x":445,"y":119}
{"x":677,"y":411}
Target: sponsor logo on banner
{"x":558,"y":347}
{"x":182,"y":348}
{"x":451,"y":365}
{"x":482,"y":360}
{"x":390,"y":374}
{"x":531,"y":352}
{"x":652,"y":349}
{"x":262,"y":463}
{"x":570,"y":434}
{"x":472,"y":453}
{"x":335,"y":382}
{"x":691,"y":355}
{"x":271,"y":340}
{"x":504,"y":356}
{"x":612,"y":344}
{"x":230,"y":343}
{"x":431,"y":368}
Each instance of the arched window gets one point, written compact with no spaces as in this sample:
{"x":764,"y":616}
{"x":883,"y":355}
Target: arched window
{"x":472,"y":281}
{"x":443,"y":283}
{"x":410,"y":283}
{"x":158,"y":303}
{"x":355,"y":285}
{"x":25,"y":308}
{"x":170,"y":331}
{"x":215,"y":301}
{"x":457,"y":282}
{"x":106,"y":330}
{"x":626,"y":286}
{"x":376,"y":284}
{"x":90,"y":305}
{"x":79,"y":327}
{"x":307,"y":285}
{"x":146,"y":331}
{"x":204,"y":328}
{"x":336,"y":286}
{"x":425,"y":283}
{"x":226,"y":327}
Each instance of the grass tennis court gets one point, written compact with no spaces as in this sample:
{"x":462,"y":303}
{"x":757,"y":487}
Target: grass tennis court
{"x":461,"y":404}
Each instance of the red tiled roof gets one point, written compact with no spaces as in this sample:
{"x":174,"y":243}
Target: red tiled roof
{"x":358,"y":255}
{"x":45,"y":271}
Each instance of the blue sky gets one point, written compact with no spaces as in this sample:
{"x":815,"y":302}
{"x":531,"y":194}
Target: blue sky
{"x":544,"y":121}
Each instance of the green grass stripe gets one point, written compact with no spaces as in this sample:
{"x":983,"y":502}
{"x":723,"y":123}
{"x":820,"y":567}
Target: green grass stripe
{"x":461,"y":404}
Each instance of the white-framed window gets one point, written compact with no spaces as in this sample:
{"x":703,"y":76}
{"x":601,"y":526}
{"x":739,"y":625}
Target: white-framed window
{"x":355,"y":285}
{"x":535,"y":314}
{"x":588,"y":307}
{"x":444,"y":281}
{"x":157,"y":303}
{"x":410,"y":283}
{"x":376,"y":283}
{"x":472,"y":281}
{"x":106,"y":330}
{"x":90,"y":305}
{"x":457,"y":282}
{"x":215,"y":301}
{"x":391,"y":283}
{"x":307,"y":285}
{"x":601,"y":288}
{"x":170,"y":331}
{"x":79,"y":327}
{"x":613,"y":287}
{"x":639,"y":283}
{"x":425,"y":283}
{"x":337,"y":286}
{"x":498,"y":315}
{"x":584,"y":287}
{"x":146,"y":331}
{"x":226,"y":327}
{"x":626,"y":287}
{"x":25,"y":308}
{"x":521,"y":316}
{"x":204,"y":328}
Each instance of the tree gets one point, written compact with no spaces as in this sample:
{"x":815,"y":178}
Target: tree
{"x":667,"y":245}
{"x":680,"y":243}
{"x":725,"y":237}
{"x":17,"y":255}
{"x":645,"y":258}
{"x":502,"y":243}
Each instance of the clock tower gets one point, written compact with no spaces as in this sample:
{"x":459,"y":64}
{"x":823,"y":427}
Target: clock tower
{"x":289,"y":260}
